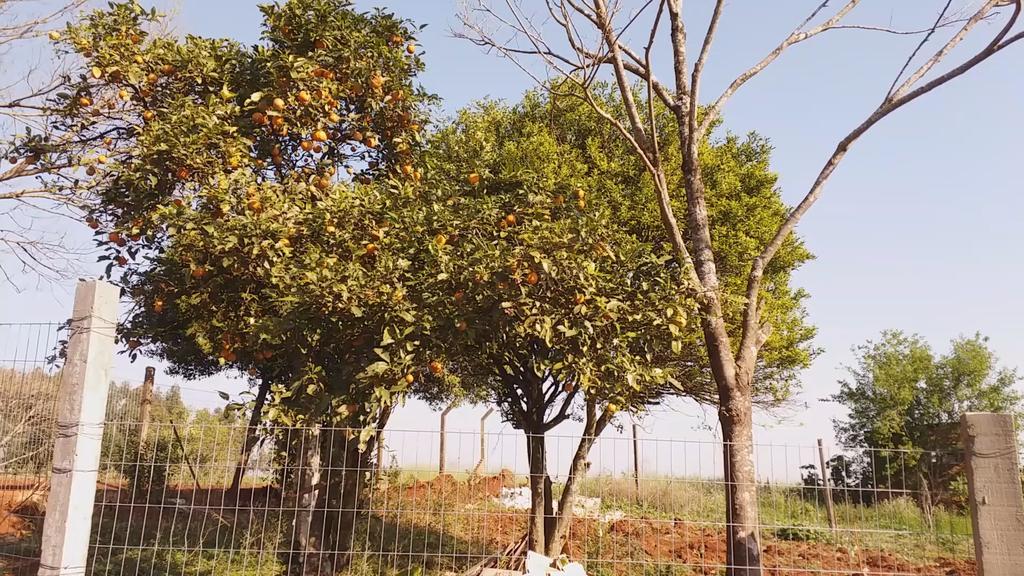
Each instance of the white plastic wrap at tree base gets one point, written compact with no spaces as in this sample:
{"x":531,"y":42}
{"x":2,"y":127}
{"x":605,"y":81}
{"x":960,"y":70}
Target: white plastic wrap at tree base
{"x":541,"y":565}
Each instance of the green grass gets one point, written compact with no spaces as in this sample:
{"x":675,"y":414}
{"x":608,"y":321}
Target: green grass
{"x":896,"y":525}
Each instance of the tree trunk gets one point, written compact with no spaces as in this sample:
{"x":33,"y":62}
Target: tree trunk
{"x":250,"y":439}
{"x":743,"y":547}
{"x":304,"y":559}
{"x":926,"y":497}
{"x":539,"y":486}
{"x":346,"y":468}
{"x":339,"y":500}
{"x":577,"y":469}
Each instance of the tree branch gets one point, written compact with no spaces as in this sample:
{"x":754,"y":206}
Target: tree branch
{"x":798,"y":35}
{"x":889,"y":105}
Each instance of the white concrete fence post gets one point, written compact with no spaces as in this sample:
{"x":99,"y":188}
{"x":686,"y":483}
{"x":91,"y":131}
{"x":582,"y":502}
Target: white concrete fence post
{"x":81,"y":409}
{"x":996,"y":501}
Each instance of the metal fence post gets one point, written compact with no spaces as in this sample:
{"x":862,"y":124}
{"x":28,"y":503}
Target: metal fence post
{"x":482,"y":463}
{"x":444,"y":425}
{"x":636,"y":460}
{"x":81,"y":408}
{"x":993,"y":482}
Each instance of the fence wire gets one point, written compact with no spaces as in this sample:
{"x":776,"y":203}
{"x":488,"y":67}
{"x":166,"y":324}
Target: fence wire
{"x":165,"y":507}
{"x":309,"y":501}
{"x":28,"y":391}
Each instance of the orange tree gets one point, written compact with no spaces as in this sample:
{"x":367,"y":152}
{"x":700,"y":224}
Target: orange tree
{"x":542,"y":301}
{"x":551,"y":285}
{"x":246,"y":200}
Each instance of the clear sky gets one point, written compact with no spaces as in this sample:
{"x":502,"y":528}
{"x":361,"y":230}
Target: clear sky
{"x":920,"y":229}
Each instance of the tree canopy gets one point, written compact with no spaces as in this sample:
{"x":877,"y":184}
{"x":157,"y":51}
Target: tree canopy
{"x":904,"y":404}
{"x":577,"y":151}
{"x":246,"y":194}
{"x":901,"y":395}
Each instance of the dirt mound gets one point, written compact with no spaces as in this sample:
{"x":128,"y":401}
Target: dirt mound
{"x":21,"y":513}
{"x":492,"y":485}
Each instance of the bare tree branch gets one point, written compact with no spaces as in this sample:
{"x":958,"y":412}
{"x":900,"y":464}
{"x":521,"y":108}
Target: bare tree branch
{"x":897,"y":100}
{"x":798,"y":35}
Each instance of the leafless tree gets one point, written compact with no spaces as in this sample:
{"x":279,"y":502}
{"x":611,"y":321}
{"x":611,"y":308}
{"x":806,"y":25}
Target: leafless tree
{"x":30,"y":242}
{"x":580,"y":41}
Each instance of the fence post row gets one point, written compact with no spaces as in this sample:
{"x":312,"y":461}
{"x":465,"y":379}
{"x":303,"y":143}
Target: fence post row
{"x":993,"y":481}
{"x":81,"y":409}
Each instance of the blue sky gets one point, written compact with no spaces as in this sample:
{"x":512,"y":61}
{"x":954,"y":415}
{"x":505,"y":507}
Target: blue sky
{"x":919,"y":229}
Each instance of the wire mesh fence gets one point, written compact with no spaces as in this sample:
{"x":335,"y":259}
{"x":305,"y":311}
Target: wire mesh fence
{"x":29,"y":383}
{"x":165,"y":506}
{"x":174,"y":500}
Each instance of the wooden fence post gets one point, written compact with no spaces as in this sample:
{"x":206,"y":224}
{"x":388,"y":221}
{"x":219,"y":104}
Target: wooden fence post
{"x":146,"y":403}
{"x":444,"y":426}
{"x":829,"y":504}
{"x":993,"y":483}
{"x":81,"y":410}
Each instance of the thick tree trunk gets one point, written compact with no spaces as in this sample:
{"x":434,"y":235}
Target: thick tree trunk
{"x":250,"y":439}
{"x":338,"y":508}
{"x":346,"y":469}
{"x":304,"y":559}
{"x":539,"y":486}
{"x":743,"y":546}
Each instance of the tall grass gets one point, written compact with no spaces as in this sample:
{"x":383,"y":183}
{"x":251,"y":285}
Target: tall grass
{"x":786,"y":512}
